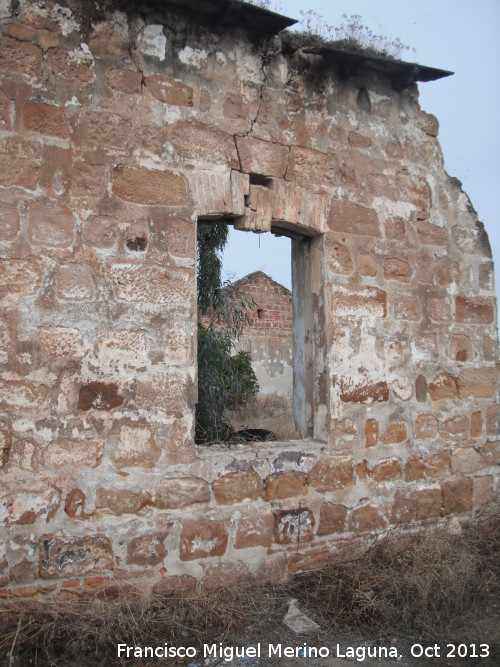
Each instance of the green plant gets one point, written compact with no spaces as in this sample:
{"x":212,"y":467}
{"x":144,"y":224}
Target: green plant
{"x":224,"y":381}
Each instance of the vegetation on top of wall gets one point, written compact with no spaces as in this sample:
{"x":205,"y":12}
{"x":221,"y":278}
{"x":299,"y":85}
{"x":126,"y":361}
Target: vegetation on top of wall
{"x":224,"y":381}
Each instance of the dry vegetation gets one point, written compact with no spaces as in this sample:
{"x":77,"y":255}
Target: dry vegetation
{"x":423,"y":588}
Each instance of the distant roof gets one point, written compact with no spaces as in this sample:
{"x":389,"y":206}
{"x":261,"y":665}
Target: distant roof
{"x":259,"y":275}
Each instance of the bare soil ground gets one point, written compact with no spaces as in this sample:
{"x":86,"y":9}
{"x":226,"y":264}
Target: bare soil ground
{"x":437,"y":592}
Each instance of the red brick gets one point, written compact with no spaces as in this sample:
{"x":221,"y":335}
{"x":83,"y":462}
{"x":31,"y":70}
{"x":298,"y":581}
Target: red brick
{"x":89,"y":180}
{"x":20,"y":58}
{"x":443,"y":386}
{"x":175,"y":585}
{"x":202,"y":143}
{"x":151,"y":188}
{"x":19,"y":276}
{"x":122,"y":501}
{"x":477,"y":382}
{"x":146,"y":549}
{"x":293,"y":526}
{"x":474,"y":311}
{"x":9,"y":222}
{"x":236,"y":487}
{"x":404,"y":507}
{"x":51,"y":226}
{"x":19,"y":172}
{"x":169,"y":91}
{"x":457,"y":495}
{"x":359,"y":302}
{"x":352,"y":392}
{"x":181,"y":492}
{"x":254,"y":529}
{"x":350,"y":218}
{"x":66,"y":557}
{"x":45,"y":119}
{"x":429,"y":503}
{"x":125,"y":81}
{"x":262,"y":158}
{"x":285,"y":485}
{"x":332,"y":473}
{"x":331,"y":519}
{"x":366,"y":518}
{"x":201,"y":538}
{"x":431,"y":234}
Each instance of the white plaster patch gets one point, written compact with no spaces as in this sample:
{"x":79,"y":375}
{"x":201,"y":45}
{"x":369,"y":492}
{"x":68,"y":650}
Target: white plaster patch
{"x":152,"y":41}
{"x":402,"y":389}
{"x":81,"y":55}
{"x":5,"y":9}
{"x":399,"y":209}
{"x":60,"y":15}
{"x":220,"y":58}
{"x":193,"y":57}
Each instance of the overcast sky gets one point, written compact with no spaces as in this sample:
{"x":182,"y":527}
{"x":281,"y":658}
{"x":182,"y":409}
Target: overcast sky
{"x":457,"y":35}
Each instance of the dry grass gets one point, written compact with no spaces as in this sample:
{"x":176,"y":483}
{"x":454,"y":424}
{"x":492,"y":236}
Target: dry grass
{"x":429,"y":586}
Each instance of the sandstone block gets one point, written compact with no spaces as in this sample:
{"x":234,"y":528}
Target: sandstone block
{"x":447,"y":272}
{"x":138,"y":281}
{"x":169,"y":91}
{"x":258,"y":211}
{"x":350,"y":218}
{"x":461,"y":348}
{"x":285,"y":485}
{"x":89,"y":180}
{"x":332,"y":473}
{"x":386,"y":471}
{"x":201,"y":143}
{"x":439,"y":309}
{"x":404,"y":507}
{"x":99,"y":396}
{"x":431,"y":234}
{"x":395,"y":229}
{"x":149,"y":188}
{"x":61,"y":556}
{"x":181,"y":492}
{"x":262,"y":158}
{"x":456,"y":428}
{"x":331,"y":519}
{"x":50,"y":226}
{"x":146,"y":550}
{"x":59,"y":343}
{"x":483,"y":493}
{"x":414,"y":468}
{"x":19,"y":276}
{"x":22,"y":395}
{"x":216,"y":194}
{"x":407,"y":308}
{"x":397,"y":269}
{"x":136,"y":447}
{"x":492,"y":420}
{"x":366,"y":518}
{"x":368,"y":265}
{"x":236,"y":487}
{"x":293,"y":526}
{"x":443,"y":386}
{"x":5,"y":445}
{"x":394,"y":434}
{"x":339,"y":258}
{"x":75,"y":453}
{"x":74,"y":283}
{"x":46,"y":119}
{"x":122,"y":501}
{"x":254,"y":529}
{"x":474,"y":311}
{"x":477,"y":382}
{"x":25,"y":504}
{"x":9,"y":222}
{"x":19,"y":172}
{"x":465,"y":460}
{"x":100,"y":232}
{"x":20,"y":58}
{"x":125,"y":81}
{"x":428,"y":123}
{"x":202,"y":538}
{"x":429,"y":503}
{"x":438,"y":465}
{"x":471,"y":240}
{"x":293,"y":204}
{"x":476,"y":424}
{"x":457,"y":495}
{"x":371,"y":432}
{"x":312,"y":169}
{"x":74,"y":505}
{"x":491,"y":454}
{"x":353,"y":391}
{"x":358,"y":302}
{"x":426,"y":427}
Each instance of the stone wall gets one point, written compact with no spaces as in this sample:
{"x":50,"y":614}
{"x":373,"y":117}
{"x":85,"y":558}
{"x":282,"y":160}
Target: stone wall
{"x":119,"y":129}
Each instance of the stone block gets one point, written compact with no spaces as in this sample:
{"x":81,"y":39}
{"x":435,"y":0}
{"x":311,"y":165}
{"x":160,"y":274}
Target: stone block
{"x":293,"y":526}
{"x":146,"y":549}
{"x":476,"y":424}
{"x":180,"y":492}
{"x":483,"y":493}
{"x":350,"y":218}
{"x":331,"y":519}
{"x":174,"y":585}
{"x":368,"y":265}
{"x":5,"y":445}
{"x":493,"y":420}
{"x":313,"y":169}
{"x":465,"y":460}
{"x":236,"y":487}
{"x":262,"y":158}
{"x":136,"y":447}
{"x":74,"y":505}
{"x":202,"y":538}
{"x":386,"y":471}
{"x":359,"y":302}
{"x":143,"y":282}
{"x":89,"y":180}
{"x":51,"y":226}
{"x":285,"y":485}
{"x":491,"y":454}
{"x":25,"y":503}
{"x":60,"y":343}
{"x":258,"y":211}
{"x":9,"y":222}
{"x":122,"y":501}
{"x":125,"y":81}
{"x":395,"y":229}
{"x":45,"y":119}
{"x":461,"y":348}
{"x":439,"y":309}
{"x":394,"y":434}
{"x":471,"y":240}
{"x":169,"y":91}
{"x":443,"y":386}
{"x":295,"y":205}
{"x":477,"y":382}
{"x":447,"y":272}
{"x":365,"y":519}
{"x":404,"y":507}
{"x":20,"y":59}
{"x":100,"y":232}
{"x":66,"y":67}
{"x":457,"y":495}
{"x":217,"y":194}
{"x":19,"y":276}
{"x":99,"y":396}
{"x":407,"y":308}
{"x":148,"y":187}
{"x":339,"y":258}
{"x":65,"y":557}
{"x":474,"y":311}
{"x":19,"y":172}
{"x":371,"y":432}
{"x":426,"y":427}
{"x":23,"y":395}
{"x":74,"y":453}
{"x":397,"y":269}
{"x":438,"y":465}
{"x":428,"y":123}
{"x":359,"y":391}
{"x":332,"y":473}
{"x":254,"y":529}
{"x":202,"y":143}
{"x":414,"y":468}
{"x":456,"y":429}
{"x":429,"y":503}
{"x":431,"y":234}
{"x":74,"y":283}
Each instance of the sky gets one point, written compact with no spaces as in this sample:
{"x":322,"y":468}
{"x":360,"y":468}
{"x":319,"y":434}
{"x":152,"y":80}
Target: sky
{"x":457,"y":35}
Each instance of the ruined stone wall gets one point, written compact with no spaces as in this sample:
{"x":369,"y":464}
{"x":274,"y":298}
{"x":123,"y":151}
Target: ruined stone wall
{"x":117,"y":132}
